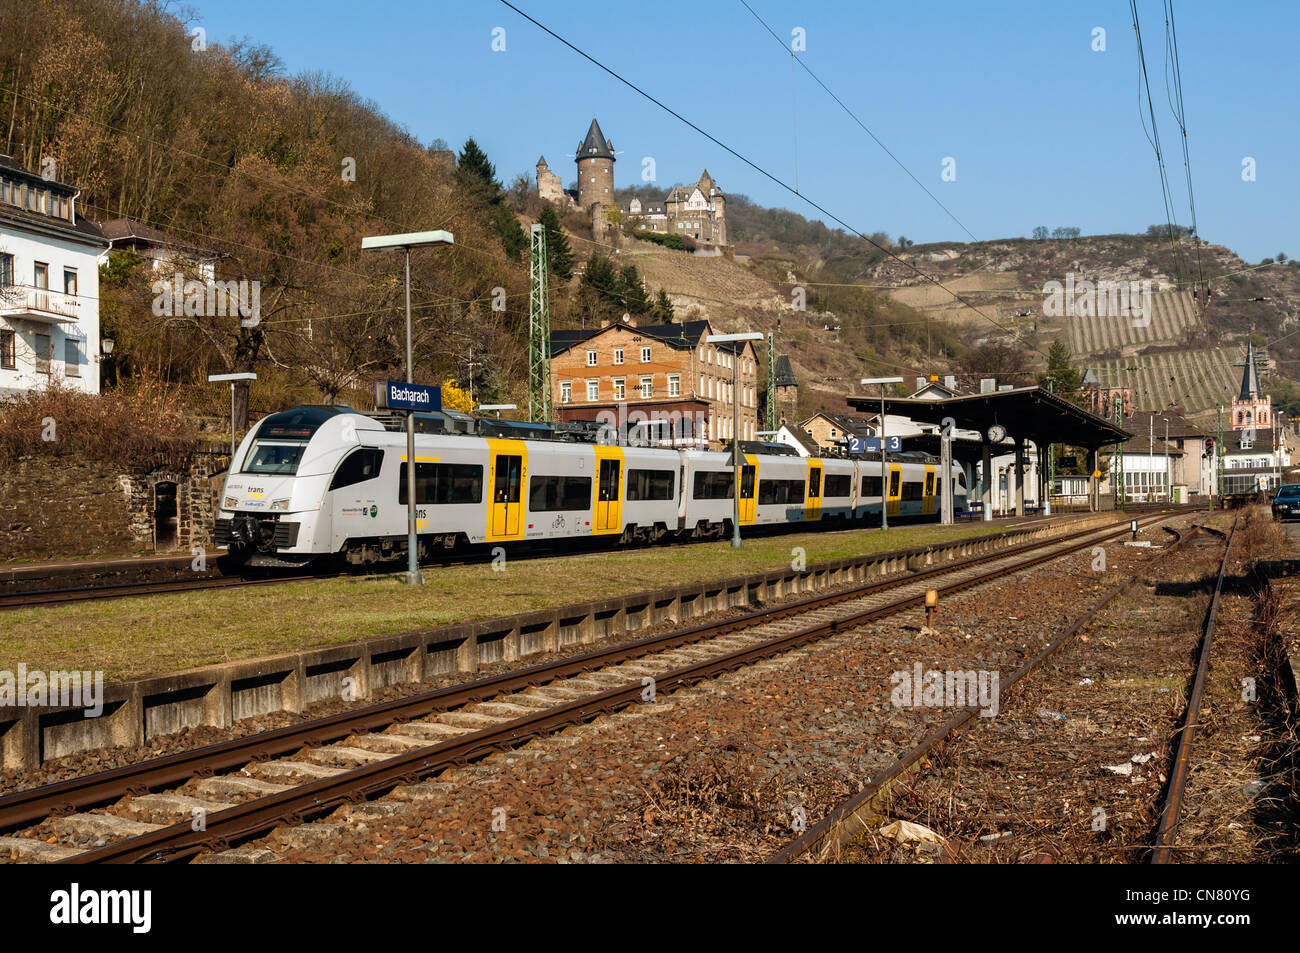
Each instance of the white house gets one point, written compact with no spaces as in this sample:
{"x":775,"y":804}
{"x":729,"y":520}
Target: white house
{"x":49,"y":285}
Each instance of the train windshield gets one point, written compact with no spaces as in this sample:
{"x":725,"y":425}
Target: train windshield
{"x":275,"y":456}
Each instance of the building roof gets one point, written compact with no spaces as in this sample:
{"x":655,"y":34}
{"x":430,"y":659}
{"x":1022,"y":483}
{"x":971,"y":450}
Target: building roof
{"x":800,"y":436}
{"x":541,"y":160}
{"x":1089,"y":379}
{"x":1263,"y":443}
{"x":1142,"y":423}
{"x":594,"y":146}
{"x":126,"y":230}
{"x":1030,"y":413}
{"x":1249,"y":375}
{"x":1139,"y":444}
{"x":784,"y":372}
{"x":80,"y":230}
{"x":854,"y":426}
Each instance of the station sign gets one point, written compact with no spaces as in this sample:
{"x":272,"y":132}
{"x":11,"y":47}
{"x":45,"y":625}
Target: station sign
{"x":399,"y":395}
{"x":872,"y":444}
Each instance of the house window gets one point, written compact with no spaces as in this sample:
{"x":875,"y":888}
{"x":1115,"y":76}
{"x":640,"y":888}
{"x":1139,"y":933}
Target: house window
{"x":566,"y":392}
{"x":71,"y":358}
{"x":8,"y":354}
{"x":70,"y":281}
{"x":591,"y":358}
{"x":674,"y":385}
{"x":618,"y":355}
{"x":647,"y":387}
{"x":620,"y":388}
{"x":43,"y":353}
{"x":702,"y":389}
{"x":41,"y":275}
{"x":593,"y":390}
{"x":6,"y":270}
{"x":645,"y":355}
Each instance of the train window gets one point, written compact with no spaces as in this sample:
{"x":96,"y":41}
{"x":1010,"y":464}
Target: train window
{"x":747,"y":482}
{"x":550,"y":493}
{"x":912,"y":490}
{"x":871,"y":486}
{"x":280,"y":457}
{"x":780,"y":491}
{"x":961,"y":479}
{"x":359,"y":466}
{"x":894,"y":477}
{"x":814,"y":484}
{"x":929,"y":484}
{"x":714,"y":484}
{"x":443,"y":483}
{"x":506,"y":489}
{"x":838,"y":484}
{"x":650,"y":484}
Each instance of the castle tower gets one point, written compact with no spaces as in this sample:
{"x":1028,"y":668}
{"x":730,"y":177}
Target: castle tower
{"x":787,"y":391}
{"x":1251,"y":408}
{"x":549,"y":187}
{"x":595,"y":160}
{"x":713,"y":195}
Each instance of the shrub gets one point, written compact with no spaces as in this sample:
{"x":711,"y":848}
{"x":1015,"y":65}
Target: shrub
{"x":144,"y":428}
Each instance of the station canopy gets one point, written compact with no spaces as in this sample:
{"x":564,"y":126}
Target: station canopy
{"x":1027,"y":413}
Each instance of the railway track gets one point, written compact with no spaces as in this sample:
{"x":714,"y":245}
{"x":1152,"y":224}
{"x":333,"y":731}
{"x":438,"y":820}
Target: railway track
{"x":851,"y":817}
{"x":35,"y":598}
{"x":244,"y":788}
{"x":1167,"y":831}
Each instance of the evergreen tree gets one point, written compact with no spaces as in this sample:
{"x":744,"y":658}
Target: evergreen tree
{"x":663,"y":308}
{"x":635,"y":298}
{"x":559,"y":257}
{"x":512,"y":236}
{"x":477,"y":172}
{"x":1066,"y":379}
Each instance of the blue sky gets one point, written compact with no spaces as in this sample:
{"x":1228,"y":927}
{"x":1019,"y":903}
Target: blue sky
{"x":1042,"y":128}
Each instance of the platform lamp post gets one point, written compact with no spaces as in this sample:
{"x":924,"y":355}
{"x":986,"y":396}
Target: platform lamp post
{"x":406,"y":242}
{"x":884,"y":476}
{"x":217,"y":378}
{"x":735,"y":420}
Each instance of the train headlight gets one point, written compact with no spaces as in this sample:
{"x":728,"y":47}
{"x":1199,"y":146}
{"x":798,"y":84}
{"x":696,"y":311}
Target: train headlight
{"x":279,"y":504}
{"x":230,"y":503}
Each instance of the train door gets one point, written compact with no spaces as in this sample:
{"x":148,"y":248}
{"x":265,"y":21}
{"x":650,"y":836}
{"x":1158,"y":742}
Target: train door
{"x":748,"y":490}
{"x":929,"y":497}
{"x":812,"y":506}
{"x":608,"y":517}
{"x":507,"y":471}
{"x":895,"y":489}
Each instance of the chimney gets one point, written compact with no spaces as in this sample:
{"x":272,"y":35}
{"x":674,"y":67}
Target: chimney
{"x":988,"y":385}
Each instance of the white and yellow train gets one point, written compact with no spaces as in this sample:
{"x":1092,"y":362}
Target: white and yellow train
{"x":327,"y":482}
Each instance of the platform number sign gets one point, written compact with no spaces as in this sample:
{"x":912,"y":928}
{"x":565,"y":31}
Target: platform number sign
{"x":872,"y":444}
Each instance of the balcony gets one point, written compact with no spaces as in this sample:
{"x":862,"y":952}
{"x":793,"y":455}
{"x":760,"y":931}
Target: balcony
{"x":38,"y":304}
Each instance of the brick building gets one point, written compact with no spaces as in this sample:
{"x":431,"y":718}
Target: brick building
{"x":663,"y":368}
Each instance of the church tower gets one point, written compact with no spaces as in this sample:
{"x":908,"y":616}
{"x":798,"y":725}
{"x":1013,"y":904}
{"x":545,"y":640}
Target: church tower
{"x":595,"y":160}
{"x":1251,"y":409}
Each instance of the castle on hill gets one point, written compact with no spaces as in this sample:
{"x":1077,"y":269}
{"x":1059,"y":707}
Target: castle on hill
{"x":696,"y":211}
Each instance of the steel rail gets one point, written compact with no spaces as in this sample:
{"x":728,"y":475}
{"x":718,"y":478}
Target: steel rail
{"x":242,"y":822}
{"x":34,"y":804}
{"x":843,"y":823}
{"x":1167,"y":831}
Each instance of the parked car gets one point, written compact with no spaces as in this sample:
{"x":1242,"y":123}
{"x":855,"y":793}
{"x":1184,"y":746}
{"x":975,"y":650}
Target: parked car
{"x":1286,"y":505}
